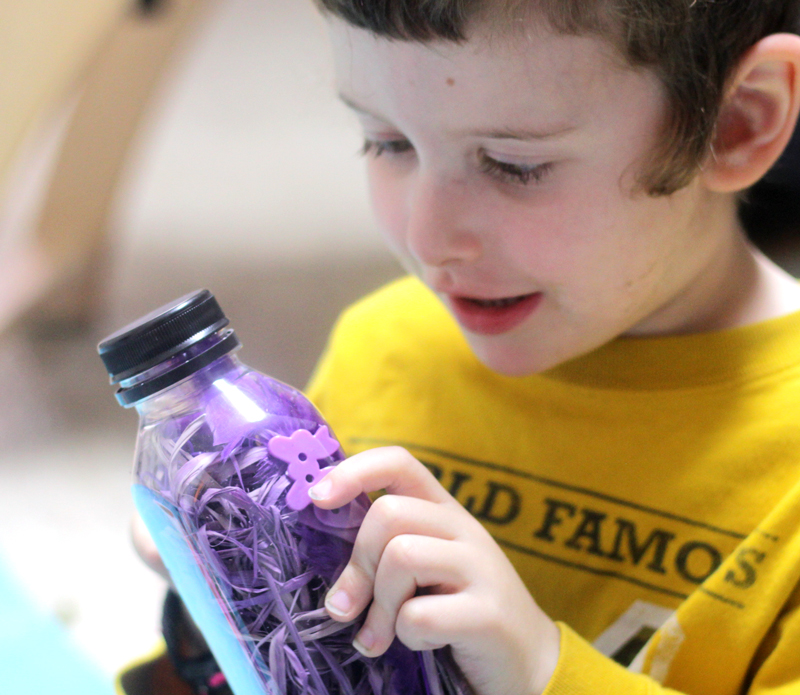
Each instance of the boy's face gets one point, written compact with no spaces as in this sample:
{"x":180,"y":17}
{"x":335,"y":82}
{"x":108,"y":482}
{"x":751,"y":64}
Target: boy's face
{"x":503,"y":173}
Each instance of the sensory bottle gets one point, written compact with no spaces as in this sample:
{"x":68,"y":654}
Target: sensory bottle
{"x":225,"y":457}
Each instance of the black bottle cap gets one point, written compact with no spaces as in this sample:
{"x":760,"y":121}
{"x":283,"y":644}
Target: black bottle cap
{"x":161,"y":334}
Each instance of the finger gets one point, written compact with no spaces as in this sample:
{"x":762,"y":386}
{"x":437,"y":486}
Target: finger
{"x":390,"y":516}
{"x":499,"y":647}
{"x":408,"y":564}
{"x":435,"y":620}
{"x":390,"y":468}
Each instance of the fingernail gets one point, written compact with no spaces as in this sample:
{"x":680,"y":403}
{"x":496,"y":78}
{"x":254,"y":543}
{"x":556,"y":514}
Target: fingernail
{"x":364,"y":641}
{"x":339,"y":602}
{"x":321,"y":490}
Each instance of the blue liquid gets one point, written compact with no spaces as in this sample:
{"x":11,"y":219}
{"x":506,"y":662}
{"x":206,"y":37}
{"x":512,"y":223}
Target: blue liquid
{"x":243,"y":666}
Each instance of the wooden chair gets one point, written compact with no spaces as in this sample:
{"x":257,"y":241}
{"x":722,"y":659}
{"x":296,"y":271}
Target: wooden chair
{"x":105,"y":55}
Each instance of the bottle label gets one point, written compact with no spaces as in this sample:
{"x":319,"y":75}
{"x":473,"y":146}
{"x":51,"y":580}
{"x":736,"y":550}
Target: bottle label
{"x":242,"y":665}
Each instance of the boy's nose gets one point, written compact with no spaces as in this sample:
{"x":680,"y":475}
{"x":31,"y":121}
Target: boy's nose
{"x":438,"y":230}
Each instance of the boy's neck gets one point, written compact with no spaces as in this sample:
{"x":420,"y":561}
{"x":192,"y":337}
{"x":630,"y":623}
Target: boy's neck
{"x":741,"y":288}
{"x":773,"y":292}
{"x":756,"y":290}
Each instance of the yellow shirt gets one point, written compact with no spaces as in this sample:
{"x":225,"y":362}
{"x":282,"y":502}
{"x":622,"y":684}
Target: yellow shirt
{"x":648,"y":493}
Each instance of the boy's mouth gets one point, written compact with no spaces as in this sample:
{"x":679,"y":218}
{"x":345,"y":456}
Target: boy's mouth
{"x":493,"y":316}
{"x":508,"y":301}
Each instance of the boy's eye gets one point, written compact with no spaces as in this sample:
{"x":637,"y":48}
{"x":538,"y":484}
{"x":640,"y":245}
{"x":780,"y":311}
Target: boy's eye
{"x":378,"y":147}
{"x":514,"y":173}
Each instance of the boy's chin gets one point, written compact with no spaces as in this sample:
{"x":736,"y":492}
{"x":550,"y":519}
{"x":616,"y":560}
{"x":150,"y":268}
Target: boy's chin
{"x":510,"y":360}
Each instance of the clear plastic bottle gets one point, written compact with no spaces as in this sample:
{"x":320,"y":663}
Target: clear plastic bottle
{"x":224,"y":459}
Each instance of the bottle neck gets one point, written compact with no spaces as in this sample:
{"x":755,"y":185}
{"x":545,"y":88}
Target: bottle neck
{"x":184,"y":396}
{"x":179,"y":367}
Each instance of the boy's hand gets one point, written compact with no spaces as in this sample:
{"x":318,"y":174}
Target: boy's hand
{"x":417,"y":536}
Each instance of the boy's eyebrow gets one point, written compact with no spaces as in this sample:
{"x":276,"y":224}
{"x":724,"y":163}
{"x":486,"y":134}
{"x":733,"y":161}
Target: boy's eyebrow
{"x":494,"y":134}
{"x":514,"y":134}
{"x":357,"y":107}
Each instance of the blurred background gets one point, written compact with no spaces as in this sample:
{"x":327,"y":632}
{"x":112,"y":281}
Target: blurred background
{"x":147,"y":149}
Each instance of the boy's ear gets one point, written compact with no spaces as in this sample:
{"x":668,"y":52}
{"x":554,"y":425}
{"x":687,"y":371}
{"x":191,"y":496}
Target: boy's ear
{"x":757,"y":116}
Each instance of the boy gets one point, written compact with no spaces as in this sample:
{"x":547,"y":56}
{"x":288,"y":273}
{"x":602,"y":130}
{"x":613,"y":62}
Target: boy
{"x":606,"y":379}
{"x":589,"y":436}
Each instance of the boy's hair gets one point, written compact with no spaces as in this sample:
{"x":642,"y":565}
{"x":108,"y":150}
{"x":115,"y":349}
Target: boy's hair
{"x":692,"y":45}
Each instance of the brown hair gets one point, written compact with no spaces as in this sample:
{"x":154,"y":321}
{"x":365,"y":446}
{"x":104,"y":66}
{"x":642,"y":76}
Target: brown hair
{"x":692,"y":45}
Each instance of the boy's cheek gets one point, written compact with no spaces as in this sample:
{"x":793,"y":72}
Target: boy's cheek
{"x":388,"y":205}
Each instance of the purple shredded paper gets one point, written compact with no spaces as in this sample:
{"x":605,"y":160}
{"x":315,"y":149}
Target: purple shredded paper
{"x":272,"y":566}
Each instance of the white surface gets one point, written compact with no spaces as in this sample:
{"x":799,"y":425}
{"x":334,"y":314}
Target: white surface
{"x":65,"y":529}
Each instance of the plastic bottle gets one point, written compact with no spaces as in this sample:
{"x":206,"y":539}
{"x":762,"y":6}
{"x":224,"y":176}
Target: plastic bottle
{"x":224,"y":459}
